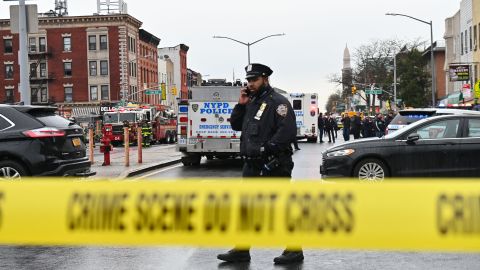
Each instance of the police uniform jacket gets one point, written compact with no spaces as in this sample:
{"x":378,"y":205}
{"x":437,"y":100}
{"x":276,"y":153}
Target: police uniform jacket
{"x":267,"y":122}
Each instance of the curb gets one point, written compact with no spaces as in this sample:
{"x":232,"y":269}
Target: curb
{"x":144,"y":169}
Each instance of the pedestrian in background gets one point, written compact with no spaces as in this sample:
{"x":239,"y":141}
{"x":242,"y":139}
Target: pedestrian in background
{"x":346,"y":127}
{"x":335,"y":127}
{"x":389,"y":118}
{"x":295,"y":144}
{"x":329,"y":126}
{"x":268,"y":126}
{"x":321,"y":126}
{"x":356,"y":126}
{"x":368,"y":127}
{"x":380,"y":126}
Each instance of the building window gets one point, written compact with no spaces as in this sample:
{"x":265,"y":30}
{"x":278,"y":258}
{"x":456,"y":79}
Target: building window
{"x":34,"y":98}
{"x":132,"y":44}
{"x":471,"y":40}
{"x":32,"y":44}
{"x":8,"y":45}
{"x":43,"y":70}
{"x":93,"y":68}
{"x":466,"y":41}
{"x":67,"y":68}
{"x":103,"y":42}
{"x":68,"y":94}
{"x":8,"y":71}
{"x":92,"y":43}
{"x":42,"y":44}
{"x":44,"y":95}
{"x":105,"y":95}
{"x":475,"y":37}
{"x":461,"y":43}
{"x":93,"y":92}
{"x":103,"y":67}
{"x":9,"y":95}
{"x":67,"y":44}
{"x":33,"y":70}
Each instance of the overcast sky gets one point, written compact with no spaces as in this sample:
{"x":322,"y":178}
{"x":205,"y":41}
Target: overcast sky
{"x":316,"y":32}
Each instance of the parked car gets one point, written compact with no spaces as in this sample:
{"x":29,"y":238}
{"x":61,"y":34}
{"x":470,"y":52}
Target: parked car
{"x":34,"y":141}
{"x":406,"y":117}
{"x":445,"y":146}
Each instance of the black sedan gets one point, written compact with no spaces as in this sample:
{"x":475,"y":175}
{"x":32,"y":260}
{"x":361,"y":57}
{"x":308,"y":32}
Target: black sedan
{"x":441,"y":146}
{"x":34,"y":141}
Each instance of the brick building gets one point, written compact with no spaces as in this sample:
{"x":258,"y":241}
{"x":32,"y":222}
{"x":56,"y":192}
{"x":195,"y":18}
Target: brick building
{"x":148,"y":66}
{"x":79,"y":62}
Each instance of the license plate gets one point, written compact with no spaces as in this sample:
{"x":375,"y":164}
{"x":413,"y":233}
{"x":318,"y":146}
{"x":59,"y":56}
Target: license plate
{"x":76,"y":142}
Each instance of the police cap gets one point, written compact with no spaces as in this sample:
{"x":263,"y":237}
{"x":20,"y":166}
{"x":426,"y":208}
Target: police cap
{"x":257,"y":70}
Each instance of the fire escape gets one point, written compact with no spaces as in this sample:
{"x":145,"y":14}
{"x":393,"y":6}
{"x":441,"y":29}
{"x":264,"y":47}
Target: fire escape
{"x":39,"y":77}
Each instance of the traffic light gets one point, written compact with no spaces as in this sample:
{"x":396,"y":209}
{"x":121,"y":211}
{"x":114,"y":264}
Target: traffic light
{"x":354,"y":90}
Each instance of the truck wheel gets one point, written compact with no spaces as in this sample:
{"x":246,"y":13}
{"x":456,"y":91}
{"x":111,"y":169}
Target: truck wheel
{"x":167,"y":137}
{"x":196,"y":160}
{"x":186,"y":161}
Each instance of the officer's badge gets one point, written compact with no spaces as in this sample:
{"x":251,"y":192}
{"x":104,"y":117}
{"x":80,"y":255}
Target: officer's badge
{"x":249,"y":68}
{"x":195,"y":107}
{"x":260,"y":111}
{"x":282,"y":110}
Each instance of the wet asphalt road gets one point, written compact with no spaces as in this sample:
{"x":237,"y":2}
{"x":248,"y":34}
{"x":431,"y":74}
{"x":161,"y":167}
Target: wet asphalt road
{"x":307,"y":163}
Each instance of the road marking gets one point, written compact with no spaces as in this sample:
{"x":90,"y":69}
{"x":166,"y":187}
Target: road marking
{"x":157,"y":171}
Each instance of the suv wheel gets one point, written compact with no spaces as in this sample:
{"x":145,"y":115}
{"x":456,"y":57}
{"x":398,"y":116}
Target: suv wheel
{"x":370,"y":170}
{"x":11,"y":170}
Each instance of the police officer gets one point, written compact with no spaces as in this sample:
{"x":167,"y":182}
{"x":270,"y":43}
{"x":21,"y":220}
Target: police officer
{"x":268,"y":126}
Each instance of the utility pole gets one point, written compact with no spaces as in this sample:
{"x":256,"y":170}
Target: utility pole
{"x":25,"y":96}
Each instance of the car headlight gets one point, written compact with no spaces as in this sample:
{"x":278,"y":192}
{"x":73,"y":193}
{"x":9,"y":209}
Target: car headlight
{"x":341,"y":153}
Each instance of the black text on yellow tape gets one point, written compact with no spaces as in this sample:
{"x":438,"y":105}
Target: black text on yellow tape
{"x":395,"y":215}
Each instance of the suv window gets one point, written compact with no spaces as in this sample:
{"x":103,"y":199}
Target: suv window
{"x":473,"y":128}
{"x":50,"y":119}
{"x":439,"y":130}
{"x":5,"y":123}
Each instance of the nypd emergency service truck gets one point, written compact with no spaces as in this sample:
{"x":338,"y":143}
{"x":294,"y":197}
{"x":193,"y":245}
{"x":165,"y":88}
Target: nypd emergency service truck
{"x":204,"y":124}
{"x":305,"y":106}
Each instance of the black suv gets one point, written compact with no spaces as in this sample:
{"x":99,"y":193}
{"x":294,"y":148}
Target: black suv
{"x":34,"y":141}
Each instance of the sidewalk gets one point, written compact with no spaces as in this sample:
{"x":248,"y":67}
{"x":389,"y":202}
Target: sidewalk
{"x":154,"y":157}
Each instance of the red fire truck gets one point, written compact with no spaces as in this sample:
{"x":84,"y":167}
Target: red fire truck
{"x":160,"y":118}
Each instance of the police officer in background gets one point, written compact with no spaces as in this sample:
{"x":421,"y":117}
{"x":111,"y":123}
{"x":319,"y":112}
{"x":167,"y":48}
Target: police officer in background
{"x":268,"y":126}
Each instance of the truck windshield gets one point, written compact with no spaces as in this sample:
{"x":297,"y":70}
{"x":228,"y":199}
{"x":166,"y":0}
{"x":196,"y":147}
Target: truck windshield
{"x":130,"y":117}
{"x":110,"y":118}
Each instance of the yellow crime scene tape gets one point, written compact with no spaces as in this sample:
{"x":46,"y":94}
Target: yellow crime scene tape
{"x":431,"y":215}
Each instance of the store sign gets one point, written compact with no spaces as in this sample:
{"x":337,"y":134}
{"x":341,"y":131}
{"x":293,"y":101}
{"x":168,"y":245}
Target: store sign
{"x":459,"y":73}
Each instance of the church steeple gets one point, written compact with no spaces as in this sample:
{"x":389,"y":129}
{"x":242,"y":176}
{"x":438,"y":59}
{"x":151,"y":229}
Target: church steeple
{"x":346,"y":58}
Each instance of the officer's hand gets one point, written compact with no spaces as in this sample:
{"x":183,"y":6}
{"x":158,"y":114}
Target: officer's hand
{"x":244,"y":98}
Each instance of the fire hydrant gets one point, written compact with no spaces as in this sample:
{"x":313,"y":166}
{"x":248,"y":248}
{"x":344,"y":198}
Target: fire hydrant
{"x":106,"y":147}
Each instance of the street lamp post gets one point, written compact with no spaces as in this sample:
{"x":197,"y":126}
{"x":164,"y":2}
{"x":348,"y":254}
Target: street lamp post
{"x":248,"y":44}
{"x":434,"y":83}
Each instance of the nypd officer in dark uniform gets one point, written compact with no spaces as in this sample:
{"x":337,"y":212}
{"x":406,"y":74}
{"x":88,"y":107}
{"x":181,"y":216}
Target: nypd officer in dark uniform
{"x":268,"y":126}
